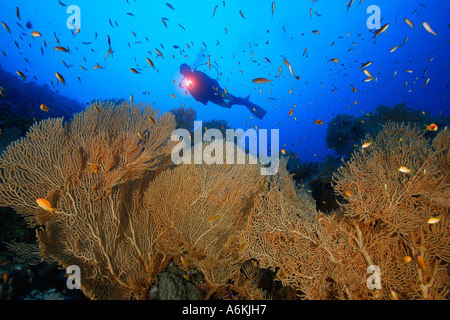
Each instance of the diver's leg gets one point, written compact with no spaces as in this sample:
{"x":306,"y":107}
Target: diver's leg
{"x":235,"y":100}
{"x":232,"y":100}
{"x":226,"y":100}
{"x":225,"y":104}
{"x":219,"y":100}
{"x":257,"y":111}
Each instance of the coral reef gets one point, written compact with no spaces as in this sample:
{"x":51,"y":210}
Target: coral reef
{"x":184,"y":118}
{"x":9,"y":135}
{"x":383,"y":222}
{"x":345,"y":132}
{"x":24,"y":98}
{"x":389,"y":209}
{"x":317,"y":176}
{"x":124,"y":211}
{"x":221,"y":125}
{"x":56,"y":162}
{"x":199,"y":210}
{"x":124,"y":222}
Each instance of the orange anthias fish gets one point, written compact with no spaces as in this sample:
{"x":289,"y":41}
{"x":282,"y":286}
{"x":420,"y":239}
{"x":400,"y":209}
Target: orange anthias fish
{"x":261,"y":80}
{"x":44,"y":204}
{"x":150,"y":62}
{"x":6,"y":27}
{"x":421,"y":263}
{"x":60,"y":78}
{"x":365,"y":65}
{"x":433,"y":220}
{"x":44,"y":108}
{"x":242,"y":245}
{"x":404,"y":170}
{"x":20,"y":73}
{"x":366,"y":144}
{"x":409,"y":23}
{"x":35,"y":34}
{"x":185,"y":262}
{"x":318,"y":122}
{"x":350,"y":4}
{"x":152,"y":119}
{"x":367,"y":73}
{"x":62,"y":49}
{"x":432,"y":127}
{"x":141,"y":135}
{"x":215,"y":9}
{"x":428,"y":28}
{"x":212,"y":218}
{"x":93,"y":168}
{"x":320,"y":217}
{"x":159,"y":53}
{"x":383,"y":29}
{"x":407,"y":259}
{"x":394,"y":48}
{"x":109,"y":52}
{"x":347,"y":193}
{"x":4,"y":263}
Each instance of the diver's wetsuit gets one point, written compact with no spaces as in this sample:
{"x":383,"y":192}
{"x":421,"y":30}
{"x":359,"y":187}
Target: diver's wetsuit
{"x":204,"y":89}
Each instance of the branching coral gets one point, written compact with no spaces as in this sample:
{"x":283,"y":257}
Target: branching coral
{"x":123,"y":211}
{"x":345,"y":131}
{"x":200,"y":209}
{"x":382,"y":222}
{"x":184,"y":118}
{"x":342,"y":132}
{"x":389,"y":209}
{"x":99,"y":224}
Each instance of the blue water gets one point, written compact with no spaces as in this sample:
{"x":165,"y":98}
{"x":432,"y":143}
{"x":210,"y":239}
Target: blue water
{"x":323,"y":91}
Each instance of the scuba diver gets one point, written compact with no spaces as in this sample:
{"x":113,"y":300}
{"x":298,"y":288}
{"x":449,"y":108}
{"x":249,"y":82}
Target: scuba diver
{"x":204,"y":89}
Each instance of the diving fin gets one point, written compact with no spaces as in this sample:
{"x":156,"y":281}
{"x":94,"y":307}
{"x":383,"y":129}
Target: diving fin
{"x":257,"y":111}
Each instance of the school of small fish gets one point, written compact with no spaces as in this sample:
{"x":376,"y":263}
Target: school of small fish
{"x":153,"y":58}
